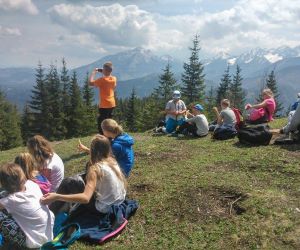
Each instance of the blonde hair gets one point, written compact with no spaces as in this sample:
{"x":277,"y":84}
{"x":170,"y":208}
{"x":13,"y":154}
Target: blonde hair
{"x":12,"y":177}
{"x":112,"y":126}
{"x":101,"y":152}
{"x":40,"y":149}
{"x":268,"y":92}
{"x":28,"y":165}
{"x":225,"y":102}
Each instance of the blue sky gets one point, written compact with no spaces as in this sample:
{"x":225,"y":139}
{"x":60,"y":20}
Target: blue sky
{"x":83,"y":31}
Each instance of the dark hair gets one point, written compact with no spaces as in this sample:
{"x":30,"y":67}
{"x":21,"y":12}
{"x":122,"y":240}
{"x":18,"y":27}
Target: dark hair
{"x":40,"y":149}
{"x":12,"y":177}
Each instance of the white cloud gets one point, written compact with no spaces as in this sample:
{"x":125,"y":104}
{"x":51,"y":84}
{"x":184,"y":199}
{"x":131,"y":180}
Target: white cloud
{"x":23,"y":5}
{"x":113,"y":24}
{"x":5,"y":31}
{"x":248,"y":24}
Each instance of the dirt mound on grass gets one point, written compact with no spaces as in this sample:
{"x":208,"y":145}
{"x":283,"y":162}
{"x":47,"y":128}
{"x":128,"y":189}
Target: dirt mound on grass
{"x":206,"y":203}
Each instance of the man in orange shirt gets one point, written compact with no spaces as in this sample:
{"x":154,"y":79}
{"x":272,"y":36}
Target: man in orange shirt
{"x":106,"y":84}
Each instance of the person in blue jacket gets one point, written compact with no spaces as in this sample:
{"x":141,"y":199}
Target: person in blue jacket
{"x":121,"y":144}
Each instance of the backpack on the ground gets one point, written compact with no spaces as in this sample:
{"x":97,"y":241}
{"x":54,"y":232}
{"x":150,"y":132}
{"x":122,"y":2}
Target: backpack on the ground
{"x":224,"y":133}
{"x":258,"y":135}
{"x":239,"y":118}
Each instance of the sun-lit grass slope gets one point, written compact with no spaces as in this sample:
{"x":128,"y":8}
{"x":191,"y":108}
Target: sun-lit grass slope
{"x":204,"y":194}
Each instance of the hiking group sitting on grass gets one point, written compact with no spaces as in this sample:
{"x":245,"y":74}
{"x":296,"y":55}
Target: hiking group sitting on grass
{"x":36,"y":178}
{"x":229,"y":121}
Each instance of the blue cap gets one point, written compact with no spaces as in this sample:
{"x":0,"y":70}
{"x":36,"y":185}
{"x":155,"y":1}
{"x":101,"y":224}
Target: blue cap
{"x":198,"y":107}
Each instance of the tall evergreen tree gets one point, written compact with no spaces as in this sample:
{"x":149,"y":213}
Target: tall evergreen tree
{"x":55,"y":117}
{"x":210,"y":103}
{"x":76,"y":121}
{"x":223,"y":89}
{"x":193,"y":78}
{"x":150,"y":113}
{"x":237,"y":94}
{"x":39,"y":103}
{"x":65,"y":82}
{"x":167,"y":84}
{"x":271,"y":83}
{"x":132,"y":115}
{"x":27,"y":123}
{"x":90,"y":109}
{"x":10,"y":132}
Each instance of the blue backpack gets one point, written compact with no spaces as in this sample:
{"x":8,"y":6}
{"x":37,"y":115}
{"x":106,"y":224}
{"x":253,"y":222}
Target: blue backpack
{"x":65,"y":237}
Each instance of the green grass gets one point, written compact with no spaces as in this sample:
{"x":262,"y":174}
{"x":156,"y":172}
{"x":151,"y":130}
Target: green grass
{"x":204,"y":194}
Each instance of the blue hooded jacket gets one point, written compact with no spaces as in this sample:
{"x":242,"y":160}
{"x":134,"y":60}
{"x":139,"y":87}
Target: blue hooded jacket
{"x":123,"y":152}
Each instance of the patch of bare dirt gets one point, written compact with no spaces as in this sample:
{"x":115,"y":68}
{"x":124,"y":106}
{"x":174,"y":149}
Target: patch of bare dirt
{"x":141,"y":188}
{"x":203,"y":204}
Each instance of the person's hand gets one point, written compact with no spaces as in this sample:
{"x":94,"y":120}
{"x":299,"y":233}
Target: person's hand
{"x":80,"y":146}
{"x":248,"y":106}
{"x":48,"y":198}
{"x":215,"y":109}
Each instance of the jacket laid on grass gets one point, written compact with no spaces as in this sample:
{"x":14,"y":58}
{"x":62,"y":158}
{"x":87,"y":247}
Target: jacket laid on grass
{"x":123,"y":152}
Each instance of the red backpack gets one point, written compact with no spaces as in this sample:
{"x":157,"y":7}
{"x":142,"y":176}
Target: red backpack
{"x":239,"y":118}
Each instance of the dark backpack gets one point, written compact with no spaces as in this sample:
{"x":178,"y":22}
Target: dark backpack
{"x":239,"y":118}
{"x":224,"y":133}
{"x":259,"y":135}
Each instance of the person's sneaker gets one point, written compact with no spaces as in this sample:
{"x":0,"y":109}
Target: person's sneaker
{"x":180,"y":135}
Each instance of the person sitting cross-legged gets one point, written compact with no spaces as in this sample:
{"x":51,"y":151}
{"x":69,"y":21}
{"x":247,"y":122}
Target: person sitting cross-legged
{"x":196,"y":124}
{"x":175,"y":110}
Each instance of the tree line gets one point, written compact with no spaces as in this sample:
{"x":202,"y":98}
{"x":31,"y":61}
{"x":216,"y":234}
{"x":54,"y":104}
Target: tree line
{"x":60,"y":109}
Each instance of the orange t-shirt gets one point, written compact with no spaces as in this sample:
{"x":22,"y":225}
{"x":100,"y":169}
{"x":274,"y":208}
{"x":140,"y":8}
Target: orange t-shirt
{"x":106,"y":85}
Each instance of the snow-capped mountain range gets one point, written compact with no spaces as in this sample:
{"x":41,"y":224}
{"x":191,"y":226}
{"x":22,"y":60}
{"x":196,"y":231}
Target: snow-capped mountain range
{"x":140,"y":68}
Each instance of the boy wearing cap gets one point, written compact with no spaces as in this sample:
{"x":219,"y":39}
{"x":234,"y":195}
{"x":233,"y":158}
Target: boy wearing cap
{"x":175,"y":110}
{"x":106,"y":84}
{"x":197,"y":123}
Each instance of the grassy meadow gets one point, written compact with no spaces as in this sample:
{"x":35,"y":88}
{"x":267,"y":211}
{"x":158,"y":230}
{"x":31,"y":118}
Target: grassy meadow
{"x":204,"y":194}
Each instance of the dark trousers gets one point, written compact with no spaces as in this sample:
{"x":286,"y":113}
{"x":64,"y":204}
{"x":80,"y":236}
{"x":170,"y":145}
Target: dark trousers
{"x":104,"y":113}
{"x":191,"y":128}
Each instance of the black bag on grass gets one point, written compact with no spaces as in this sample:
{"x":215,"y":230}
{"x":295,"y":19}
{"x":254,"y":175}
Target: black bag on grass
{"x":258,"y":135}
{"x":224,"y":133}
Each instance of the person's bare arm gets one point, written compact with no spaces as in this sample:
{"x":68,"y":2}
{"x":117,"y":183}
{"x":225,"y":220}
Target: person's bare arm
{"x":83,"y":198}
{"x":82,"y":147}
{"x":259,"y":105}
{"x":92,"y":78}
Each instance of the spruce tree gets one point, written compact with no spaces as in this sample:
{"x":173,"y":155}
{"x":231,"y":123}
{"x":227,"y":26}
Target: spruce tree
{"x":150,"y":113}
{"x":55,"y":117}
{"x":223,"y":89}
{"x":39,"y":104}
{"x":89,"y":107}
{"x":271,"y":83}
{"x":132,"y":115}
{"x":65,"y":82}
{"x":210,"y":103}
{"x":27,"y":123}
{"x":10,"y":132}
{"x":193,"y":88}
{"x":167,"y":84}
{"x":237,"y":94}
{"x":76,"y":120}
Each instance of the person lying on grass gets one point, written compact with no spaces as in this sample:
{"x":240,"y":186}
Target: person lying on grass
{"x":196,"y":124}
{"x":121,"y":144}
{"x":104,"y":180}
